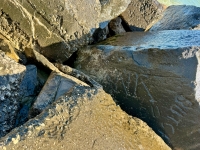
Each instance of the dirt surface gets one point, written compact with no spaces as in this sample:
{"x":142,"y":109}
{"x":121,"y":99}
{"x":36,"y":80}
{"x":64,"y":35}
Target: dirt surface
{"x":85,"y":119}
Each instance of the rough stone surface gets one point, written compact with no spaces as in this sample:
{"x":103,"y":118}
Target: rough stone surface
{"x":153,"y":76}
{"x":140,"y":13}
{"x":85,"y":118}
{"x":7,"y":47}
{"x":178,"y":17}
{"x":115,"y":25}
{"x":37,"y":58}
{"x":29,"y":88}
{"x":100,"y":34}
{"x":56,"y":85}
{"x":29,"y":82}
{"x":55,"y":28}
{"x":78,"y":74}
{"x":11,"y":75}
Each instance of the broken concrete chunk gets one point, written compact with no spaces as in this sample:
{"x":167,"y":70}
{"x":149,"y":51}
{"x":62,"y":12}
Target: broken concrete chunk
{"x":153,"y":76}
{"x":56,"y":85}
{"x":178,"y":17}
{"x":88,"y":118}
{"x":11,"y":75}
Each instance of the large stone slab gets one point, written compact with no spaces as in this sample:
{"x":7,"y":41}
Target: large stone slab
{"x":11,"y":75}
{"x":154,"y":76}
{"x":55,"y":28}
{"x":85,"y":118}
{"x":178,"y":17}
{"x":140,"y":13}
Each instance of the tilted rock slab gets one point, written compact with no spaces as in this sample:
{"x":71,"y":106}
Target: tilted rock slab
{"x":140,"y":13}
{"x":85,"y":118}
{"x":57,"y":85}
{"x":11,"y":75}
{"x":154,"y":76}
{"x":178,"y":17}
{"x":55,"y":28}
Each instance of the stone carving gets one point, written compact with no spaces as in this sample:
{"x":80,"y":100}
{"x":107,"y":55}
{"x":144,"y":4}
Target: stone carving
{"x":153,"y":76}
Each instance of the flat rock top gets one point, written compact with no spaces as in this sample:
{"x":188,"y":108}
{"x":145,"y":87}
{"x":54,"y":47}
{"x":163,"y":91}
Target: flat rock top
{"x":159,"y":39}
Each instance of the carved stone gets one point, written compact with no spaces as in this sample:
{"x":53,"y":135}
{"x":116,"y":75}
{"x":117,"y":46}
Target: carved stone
{"x":154,"y":76}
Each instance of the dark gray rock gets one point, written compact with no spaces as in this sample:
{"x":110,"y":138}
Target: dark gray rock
{"x":140,"y":13}
{"x":29,"y":82}
{"x":153,"y":76}
{"x":115,"y":26}
{"x":11,"y":75}
{"x":100,"y":34}
{"x":28,"y":93}
{"x":178,"y":17}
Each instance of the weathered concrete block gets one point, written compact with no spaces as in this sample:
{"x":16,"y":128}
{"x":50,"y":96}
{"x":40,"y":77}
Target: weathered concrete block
{"x":178,"y":17}
{"x":11,"y":75}
{"x":154,"y":76}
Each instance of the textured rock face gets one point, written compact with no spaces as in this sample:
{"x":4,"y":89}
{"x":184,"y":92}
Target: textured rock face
{"x":57,"y":85}
{"x":55,"y":28}
{"x":85,"y":118}
{"x":140,"y":13}
{"x":11,"y":75}
{"x":184,"y":17}
{"x":29,"y":82}
{"x":116,"y":27}
{"x":7,"y":47}
{"x":153,"y":76}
